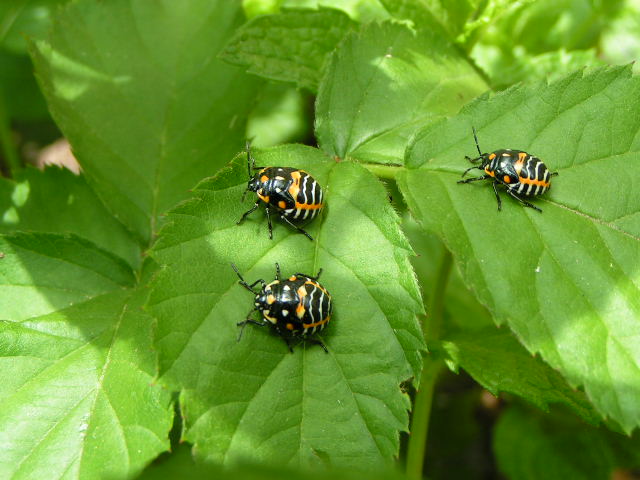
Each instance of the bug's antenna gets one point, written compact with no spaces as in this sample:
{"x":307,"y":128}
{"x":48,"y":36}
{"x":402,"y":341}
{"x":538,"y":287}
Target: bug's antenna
{"x":242,"y":280}
{"x":249,"y":158}
{"x":476,"y":138}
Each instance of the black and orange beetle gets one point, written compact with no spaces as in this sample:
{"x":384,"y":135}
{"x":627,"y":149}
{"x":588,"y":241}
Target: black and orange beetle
{"x":520,"y":172}
{"x":297,"y":306}
{"x":291,"y":192}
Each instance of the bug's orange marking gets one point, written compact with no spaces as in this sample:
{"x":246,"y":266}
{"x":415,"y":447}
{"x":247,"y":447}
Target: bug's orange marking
{"x":293,"y":278}
{"x":300,"y":310}
{"x":492,"y":156}
{"x":294,"y":188}
{"x":264,"y":179}
{"x":271,"y":299}
{"x":289,"y":326}
{"x":518,"y":165}
{"x":321,"y":322}
{"x":534,"y":181}
{"x":522,"y":156}
{"x":309,"y":206}
{"x":264,"y":198}
{"x":489,"y":172}
{"x":506,"y":179}
{"x":282,"y":204}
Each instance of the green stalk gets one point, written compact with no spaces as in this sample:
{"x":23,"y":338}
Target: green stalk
{"x":430,"y":370}
{"x":6,"y":139}
{"x":387,"y":172}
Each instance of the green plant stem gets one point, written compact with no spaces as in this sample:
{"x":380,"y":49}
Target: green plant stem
{"x":383,"y":171}
{"x":431,"y":368}
{"x":6,"y":139}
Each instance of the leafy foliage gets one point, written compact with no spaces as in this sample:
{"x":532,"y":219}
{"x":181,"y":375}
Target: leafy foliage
{"x":119,"y":307}
{"x":311,"y":36}
{"x":79,"y":353}
{"x":175,"y":93}
{"x":411,"y":77}
{"x":537,"y":281}
{"x":263,"y":402}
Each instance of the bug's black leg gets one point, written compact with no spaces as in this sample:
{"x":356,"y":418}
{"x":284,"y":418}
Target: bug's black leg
{"x":470,"y":168}
{"x":245,"y":284}
{"x":309,"y":276}
{"x":269,"y":223}
{"x":523,"y":202}
{"x":495,"y":190}
{"x":553,"y":174}
{"x":318,"y":342}
{"x":286,"y":220}
{"x":249,"y":212}
{"x":277,"y":271}
{"x":288,"y":342}
{"x":251,"y":321}
{"x":474,"y":179}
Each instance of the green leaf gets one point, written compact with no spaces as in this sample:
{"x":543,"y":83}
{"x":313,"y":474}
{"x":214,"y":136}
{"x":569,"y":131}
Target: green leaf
{"x":559,"y":447}
{"x":468,"y":339}
{"x":57,"y":201}
{"x":446,"y":17}
{"x":291,"y":46}
{"x":565,"y":280}
{"x":364,"y":11}
{"x":254,"y":399}
{"x":499,"y":363}
{"x":77,"y":363}
{"x":149,"y":110}
{"x":382,"y":83}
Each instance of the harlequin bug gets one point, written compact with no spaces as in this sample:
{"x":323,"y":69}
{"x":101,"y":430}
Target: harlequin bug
{"x":520,"y":172}
{"x":296,"y":306}
{"x":295,"y":194}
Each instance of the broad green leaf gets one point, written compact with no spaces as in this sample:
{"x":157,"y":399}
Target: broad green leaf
{"x":468,"y":339}
{"x":559,"y":448}
{"x":382,"y":83}
{"x":499,"y":363}
{"x":254,"y":399}
{"x":77,"y":363}
{"x":149,"y":110}
{"x":566,"y":281}
{"x":57,"y":201}
{"x":291,"y":46}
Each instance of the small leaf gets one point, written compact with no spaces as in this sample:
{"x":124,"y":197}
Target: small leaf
{"x":149,"y":110}
{"x":565,"y":280}
{"x":559,"y":447}
{"x":499,"y":363}
{"x":384,"y":82}
{"x":291,"y":46}
{"x":75,"y":350}
{"x":254,"y":399}
{"x":57,"y":201}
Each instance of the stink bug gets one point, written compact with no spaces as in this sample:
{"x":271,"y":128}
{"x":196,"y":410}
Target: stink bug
{"x":520,"y":172}
{"x":297,"y":306}
{"x":293,"y":193}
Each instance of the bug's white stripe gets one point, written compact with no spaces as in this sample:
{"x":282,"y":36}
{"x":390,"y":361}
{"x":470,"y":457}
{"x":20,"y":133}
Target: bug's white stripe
{"x":313,"y":192}
{"x":310,"y":309}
